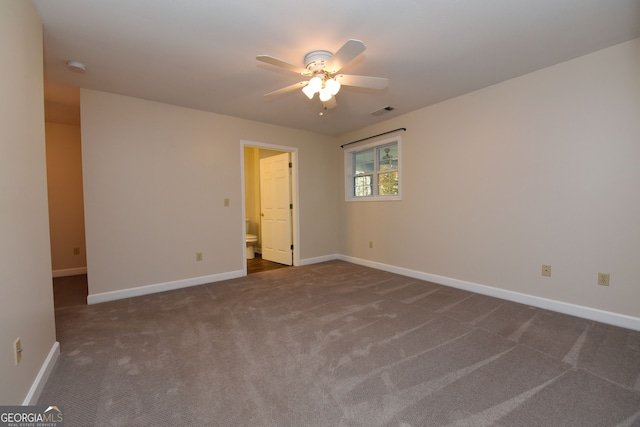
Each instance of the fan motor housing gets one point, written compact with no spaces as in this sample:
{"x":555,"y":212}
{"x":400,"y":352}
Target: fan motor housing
{"x":314,"y":61}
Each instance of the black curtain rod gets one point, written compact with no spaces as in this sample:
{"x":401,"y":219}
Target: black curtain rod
{"x":369,"y":137}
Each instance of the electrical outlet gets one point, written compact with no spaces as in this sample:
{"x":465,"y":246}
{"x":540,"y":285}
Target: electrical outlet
{"x":198,"y":256}
{"x":546,"y":270}
{"x":603,"y":279}
{"x":76,"y":251}
{"x":17,"y":346}
{"x":370,"y":244}
{"x":226,"y":202}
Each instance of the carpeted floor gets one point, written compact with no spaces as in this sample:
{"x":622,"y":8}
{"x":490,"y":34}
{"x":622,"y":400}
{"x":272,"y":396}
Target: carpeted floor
{"x":337,"y":344}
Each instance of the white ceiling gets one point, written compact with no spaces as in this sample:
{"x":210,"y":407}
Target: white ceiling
{"x":201,"y":53}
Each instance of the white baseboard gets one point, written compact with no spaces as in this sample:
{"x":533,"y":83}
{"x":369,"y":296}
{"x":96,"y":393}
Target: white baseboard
{"x":69,"y":272}
{"x":178,"y":284}
{"x":317,"y":260}
{"x":607,"y":317}
{"x":602,"y":316}
{"x":161,"y":287}
{"x":41,"y":379}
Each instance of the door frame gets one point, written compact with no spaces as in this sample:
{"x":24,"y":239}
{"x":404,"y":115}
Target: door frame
{"x":295,"y":215}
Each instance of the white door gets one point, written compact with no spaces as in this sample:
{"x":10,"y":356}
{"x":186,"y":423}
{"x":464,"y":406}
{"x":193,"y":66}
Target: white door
{"x":275,"y":205}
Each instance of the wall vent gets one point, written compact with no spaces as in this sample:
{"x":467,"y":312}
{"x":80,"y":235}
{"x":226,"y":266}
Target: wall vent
{"x":382,"y":110}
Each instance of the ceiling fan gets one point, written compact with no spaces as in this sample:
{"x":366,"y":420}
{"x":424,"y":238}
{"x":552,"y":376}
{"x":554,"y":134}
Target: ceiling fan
{"x":322,"y":67}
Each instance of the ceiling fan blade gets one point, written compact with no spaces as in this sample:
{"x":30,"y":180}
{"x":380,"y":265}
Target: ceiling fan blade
{"x":290,"y":88}
{"x":363,"y":81}
{"x":331,"y":103}
{"x":282,"y":64}
{"x":344,"y":55}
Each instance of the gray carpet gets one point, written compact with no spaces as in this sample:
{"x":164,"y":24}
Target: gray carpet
{"x":337,"y":344}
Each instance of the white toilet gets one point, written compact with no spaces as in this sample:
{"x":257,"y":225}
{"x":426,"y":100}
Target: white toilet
{"x":250,"y":239}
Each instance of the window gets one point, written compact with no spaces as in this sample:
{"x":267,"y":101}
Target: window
{"x":373,"y":171}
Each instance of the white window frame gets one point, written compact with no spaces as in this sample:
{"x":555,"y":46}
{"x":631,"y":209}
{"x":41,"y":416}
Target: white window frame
{"x":349,"y":168}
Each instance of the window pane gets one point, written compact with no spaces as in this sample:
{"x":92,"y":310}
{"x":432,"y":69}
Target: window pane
{"x":388,"y":157}
{"x":363,"y":162}
{"x":362,"y":186}
{"x":388,"y":183}
{"x":372,"y":171}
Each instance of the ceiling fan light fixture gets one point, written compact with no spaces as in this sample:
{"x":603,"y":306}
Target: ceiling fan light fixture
{"x":333,"y":86}
{"x":325,"y":94}
{"x":308,"y":90}
{"x":321,"y":67}
{"x":315,"y":84}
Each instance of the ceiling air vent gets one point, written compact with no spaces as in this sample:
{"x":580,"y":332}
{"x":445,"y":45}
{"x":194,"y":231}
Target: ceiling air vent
{"x":382,"y":110}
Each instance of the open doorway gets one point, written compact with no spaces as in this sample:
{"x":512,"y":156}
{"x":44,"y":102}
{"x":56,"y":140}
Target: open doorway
{"x":270,"y":212}
{"x":65,"y":195}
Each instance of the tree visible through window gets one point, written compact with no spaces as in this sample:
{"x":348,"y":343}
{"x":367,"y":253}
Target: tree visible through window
{"x":372,"y":171}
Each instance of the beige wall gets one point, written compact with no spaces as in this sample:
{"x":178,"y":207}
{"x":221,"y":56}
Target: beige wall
{"x":26,"y":308}
{"x":541,"y":169}
{"x":66,"y":205}
{"x":155,"y":178}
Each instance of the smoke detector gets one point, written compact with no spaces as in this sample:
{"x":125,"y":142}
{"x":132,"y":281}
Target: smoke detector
{"x":77,"y":67}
